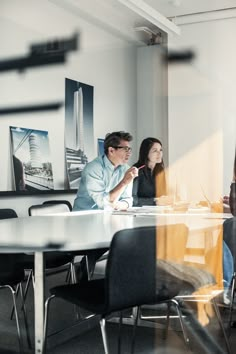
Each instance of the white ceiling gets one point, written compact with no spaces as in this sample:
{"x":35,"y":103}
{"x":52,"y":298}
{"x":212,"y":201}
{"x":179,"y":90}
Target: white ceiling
{"x":172,"y":8}
{"x":119,"y":18}
{"x":102,"y":24}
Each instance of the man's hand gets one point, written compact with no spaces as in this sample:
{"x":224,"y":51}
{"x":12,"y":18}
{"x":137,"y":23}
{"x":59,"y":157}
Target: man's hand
{"x":116,"y":192}
{"x":130,"y":174}
{"x":121,"y":205}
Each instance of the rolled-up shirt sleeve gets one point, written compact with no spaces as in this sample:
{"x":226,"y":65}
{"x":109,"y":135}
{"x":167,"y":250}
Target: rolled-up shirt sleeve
{"x":127,"y":195}
{"x":96,"y":186}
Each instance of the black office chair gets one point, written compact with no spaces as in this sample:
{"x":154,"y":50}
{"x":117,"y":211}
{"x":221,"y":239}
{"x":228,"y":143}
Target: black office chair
{"x":229,"y":232}
{"x":48,"y":208}
{"x":55,"y":259}
{"x":11,"y":277}
{"x":130,"y":280}
{"x":59,"y":201}
{"x":12,"y":274}
{"x":7,"y":214}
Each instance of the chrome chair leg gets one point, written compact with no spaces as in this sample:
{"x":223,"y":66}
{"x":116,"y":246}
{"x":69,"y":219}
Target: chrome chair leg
{"x":45,"y":328}
{"x":104,"y":335}
{"x":16,"y":295}
{"x":176,"y":304}
{"x":231,"y":303}
{"x":165,"y":334}
{"x":119,"y":333}
{"x":221,"y":325}
{"x":25,"y":318}
{"x":68,"y":275}
{"x":134,"y":329}
{"x":73,"y":273}
{"x":88,"y":268}
{"x":29,"y":278}
{"x":73,"y":278}
{"x":13,"y":292}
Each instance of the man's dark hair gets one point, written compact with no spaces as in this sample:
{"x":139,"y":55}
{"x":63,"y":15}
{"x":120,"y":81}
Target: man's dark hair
{"x":114,"y":139}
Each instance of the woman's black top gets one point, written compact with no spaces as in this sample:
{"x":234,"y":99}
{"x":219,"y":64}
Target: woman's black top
{"x":144,"y":188}
{"x":232,"y":198}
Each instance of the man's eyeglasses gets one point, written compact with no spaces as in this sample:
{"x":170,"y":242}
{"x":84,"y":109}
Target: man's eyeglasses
{"x":126,"y":148}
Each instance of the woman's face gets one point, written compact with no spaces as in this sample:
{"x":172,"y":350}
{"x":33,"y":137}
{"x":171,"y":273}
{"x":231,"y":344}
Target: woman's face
{"x":155,"y":154}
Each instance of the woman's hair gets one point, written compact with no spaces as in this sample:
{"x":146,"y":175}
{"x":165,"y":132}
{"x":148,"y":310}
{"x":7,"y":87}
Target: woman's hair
{"x":145,"y":147}
{"x":114,"y":139}
{"x":159,"y":169}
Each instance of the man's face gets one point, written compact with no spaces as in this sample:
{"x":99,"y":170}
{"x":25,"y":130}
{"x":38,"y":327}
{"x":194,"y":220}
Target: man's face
{"x":119,"y":155}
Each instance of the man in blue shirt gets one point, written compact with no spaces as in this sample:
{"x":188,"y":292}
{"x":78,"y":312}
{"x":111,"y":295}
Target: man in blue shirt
{"x":106,"y":182}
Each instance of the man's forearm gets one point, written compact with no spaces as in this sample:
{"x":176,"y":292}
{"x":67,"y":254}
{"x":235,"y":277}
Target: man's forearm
{"x":116,"y":192}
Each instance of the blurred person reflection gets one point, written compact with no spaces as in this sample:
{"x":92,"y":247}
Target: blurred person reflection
{"x":231,"y":199}
{"x":228,"y":260}
{"x":232,"y":196}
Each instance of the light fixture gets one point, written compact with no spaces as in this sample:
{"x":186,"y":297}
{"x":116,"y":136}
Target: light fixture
{"x":141,"y":8}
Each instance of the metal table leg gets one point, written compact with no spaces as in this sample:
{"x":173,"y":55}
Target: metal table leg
{"x":39,"y":301}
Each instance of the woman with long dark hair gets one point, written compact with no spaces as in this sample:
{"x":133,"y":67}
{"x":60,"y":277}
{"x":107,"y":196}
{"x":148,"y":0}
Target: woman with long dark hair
{"x":151,"y":181}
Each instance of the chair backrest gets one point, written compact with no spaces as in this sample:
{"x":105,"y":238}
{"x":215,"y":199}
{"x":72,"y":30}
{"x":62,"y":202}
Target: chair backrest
{"x":59,"y":201}
{"x":45,"y":209}
{"x":131,"y":268}
{"x":7,"y":214}
{"x":10,"y":262}
{"x":229,"y":235}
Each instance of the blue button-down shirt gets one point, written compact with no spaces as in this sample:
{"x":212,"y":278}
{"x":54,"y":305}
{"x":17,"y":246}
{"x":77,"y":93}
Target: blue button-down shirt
{"x":98,"y":178}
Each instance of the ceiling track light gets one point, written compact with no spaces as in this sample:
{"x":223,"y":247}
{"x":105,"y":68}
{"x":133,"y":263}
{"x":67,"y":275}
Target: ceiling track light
{"x":146,"y":11}
{"x":155,"y":36}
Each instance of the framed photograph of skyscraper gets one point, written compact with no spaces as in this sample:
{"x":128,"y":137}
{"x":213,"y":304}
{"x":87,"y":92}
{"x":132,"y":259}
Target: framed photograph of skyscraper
{"x":100,"y":147}
{"x":79,"y":136}
{"x":31,"y":161}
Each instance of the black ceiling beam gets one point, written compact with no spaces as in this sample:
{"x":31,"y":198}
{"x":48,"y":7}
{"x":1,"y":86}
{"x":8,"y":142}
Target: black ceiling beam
{"x":47,"y":53}
{"x":180,"y":56}
{"x":32,"y":108}
{"x":21,"y":64}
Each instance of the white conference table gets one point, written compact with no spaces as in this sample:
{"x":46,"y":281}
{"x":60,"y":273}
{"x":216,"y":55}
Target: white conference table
{"x":80,"y":231}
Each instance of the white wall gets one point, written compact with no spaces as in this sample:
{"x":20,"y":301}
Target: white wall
{"x":202,"y":110}
{"x":152,"y":98}
{"x":110,"y":69}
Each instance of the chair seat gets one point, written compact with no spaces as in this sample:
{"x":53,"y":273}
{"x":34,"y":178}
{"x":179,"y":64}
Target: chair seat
{"x":89,"y":294}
